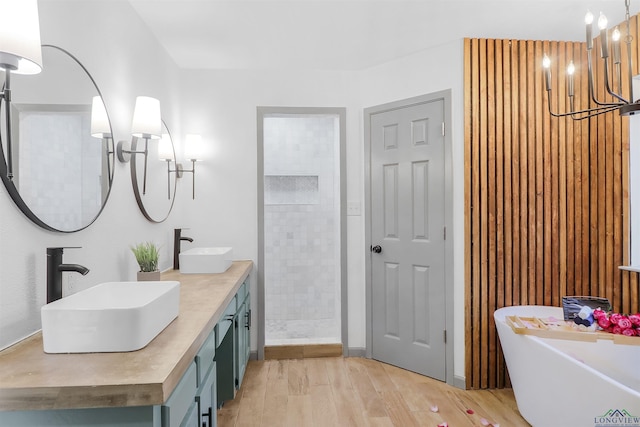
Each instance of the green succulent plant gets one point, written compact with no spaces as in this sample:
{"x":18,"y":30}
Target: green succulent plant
{"x":147,"y":255}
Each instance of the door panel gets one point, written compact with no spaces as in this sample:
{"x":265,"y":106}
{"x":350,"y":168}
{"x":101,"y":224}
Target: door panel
{"x":407,"y":221}
{"x":392,"y":312}
{"x":390,"y":201}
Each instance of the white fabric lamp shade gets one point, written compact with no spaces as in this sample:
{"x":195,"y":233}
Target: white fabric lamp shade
{"x":165,"y":148}
{"x":147,"y":122}
{"x":100,"y":127}
{"x":20,"y":50}
{"x":193,"y":147}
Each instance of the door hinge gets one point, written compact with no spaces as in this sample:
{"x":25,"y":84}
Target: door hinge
{"x":442,"y":128}
{"x":444,"y":335}
{"x":444,"y":233}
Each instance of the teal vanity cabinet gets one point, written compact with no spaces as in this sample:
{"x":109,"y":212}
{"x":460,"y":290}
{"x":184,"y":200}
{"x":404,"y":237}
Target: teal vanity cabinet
{"x":173,"y":382}
{"x":234,"y":346}
{"x":191,"y":404}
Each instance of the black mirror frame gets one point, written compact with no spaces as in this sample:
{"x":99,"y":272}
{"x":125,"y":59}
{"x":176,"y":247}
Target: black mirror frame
{"x":15,"y":194}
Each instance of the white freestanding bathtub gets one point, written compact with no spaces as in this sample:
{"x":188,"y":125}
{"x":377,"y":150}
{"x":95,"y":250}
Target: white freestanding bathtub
{"x":566,"y":383}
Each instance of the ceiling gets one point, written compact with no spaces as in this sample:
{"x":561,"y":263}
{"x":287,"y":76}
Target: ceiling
{"x":350,"y":34}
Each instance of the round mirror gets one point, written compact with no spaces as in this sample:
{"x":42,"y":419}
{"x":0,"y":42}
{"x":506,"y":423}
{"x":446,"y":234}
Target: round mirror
{"x":153,"y":175}
{"x":58,"y":174}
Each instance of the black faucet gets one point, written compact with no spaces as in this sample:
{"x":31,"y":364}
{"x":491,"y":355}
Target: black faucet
{"x":55,"y":267}
{"x":177,"y":238}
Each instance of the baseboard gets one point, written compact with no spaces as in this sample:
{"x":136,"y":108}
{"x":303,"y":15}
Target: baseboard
{"x":302,"y":351}
{"x":253,"y":355}
{"x":356,"y":352}
{"x":459,"y":382}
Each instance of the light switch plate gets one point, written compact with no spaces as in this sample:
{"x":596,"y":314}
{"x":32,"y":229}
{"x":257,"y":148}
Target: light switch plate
{"x":353,"y":208}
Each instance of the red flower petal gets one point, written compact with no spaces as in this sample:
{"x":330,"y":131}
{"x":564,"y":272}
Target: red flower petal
{"x":470,"y":411}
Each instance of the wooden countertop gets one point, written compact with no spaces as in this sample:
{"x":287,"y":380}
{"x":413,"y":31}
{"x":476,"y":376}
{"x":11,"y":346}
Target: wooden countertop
{"x":30,"y":379}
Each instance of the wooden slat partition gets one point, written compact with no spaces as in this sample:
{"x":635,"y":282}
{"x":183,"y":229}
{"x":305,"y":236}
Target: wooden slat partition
{"x":546,"y":198}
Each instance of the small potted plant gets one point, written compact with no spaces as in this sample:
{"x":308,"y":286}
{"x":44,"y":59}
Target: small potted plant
{"x":147,"y":254}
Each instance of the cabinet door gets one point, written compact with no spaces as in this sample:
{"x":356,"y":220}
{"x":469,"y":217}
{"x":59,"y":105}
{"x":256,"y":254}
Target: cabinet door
{"x":181,"y":401}
{"x":242,"y":325}
{"x":225,"y":373}
{"x":191,"y":419}
{"x":247,"y":330}
{"x":207,"y":400}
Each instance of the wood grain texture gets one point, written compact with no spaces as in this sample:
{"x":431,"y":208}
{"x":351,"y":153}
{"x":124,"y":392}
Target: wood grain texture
{"x":31,"y":379}
{"x":546,"y":199}
{"x":355,"y":392}
{"x":302,"y":351}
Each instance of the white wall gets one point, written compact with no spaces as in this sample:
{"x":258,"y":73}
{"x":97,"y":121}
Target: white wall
{"x":125,"y":61}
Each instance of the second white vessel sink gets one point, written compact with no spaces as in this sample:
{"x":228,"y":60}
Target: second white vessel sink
{"x":110,"y":317}
{"x":206,"y":260}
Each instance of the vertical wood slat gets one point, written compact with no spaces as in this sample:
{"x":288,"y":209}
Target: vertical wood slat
{"x":584,"y":282}
{"x":524,"y":218}
{"x":546,"y":199}
{"x":492,"y":217}
{"x":468,"y":361}
{"x":497,"y":376}
{"x":483,"y":207}
{"x":504,"y":155}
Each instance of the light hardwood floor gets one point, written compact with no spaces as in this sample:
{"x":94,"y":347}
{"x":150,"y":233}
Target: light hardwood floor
{"x":358,"y":392}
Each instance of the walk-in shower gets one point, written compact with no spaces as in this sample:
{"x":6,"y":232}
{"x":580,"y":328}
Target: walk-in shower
{"x":302,"y":259}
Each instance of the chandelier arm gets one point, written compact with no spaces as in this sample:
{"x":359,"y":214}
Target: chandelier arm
{"x":590,"y":115}
{"x":608,"y":87}
{"x":630,"y":74}
{"x":592,"y":93}
{"x":589,"y":112}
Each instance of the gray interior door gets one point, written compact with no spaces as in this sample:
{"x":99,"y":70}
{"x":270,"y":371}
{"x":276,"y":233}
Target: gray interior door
{"x":408,"y":237}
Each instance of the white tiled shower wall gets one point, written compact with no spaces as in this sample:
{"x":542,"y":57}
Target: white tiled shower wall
{"x":74,"y":187}
{"x":302,"y":242}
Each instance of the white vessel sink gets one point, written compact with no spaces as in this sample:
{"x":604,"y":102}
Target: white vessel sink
{"x":206,"y":260}
{"x":109,"y":317}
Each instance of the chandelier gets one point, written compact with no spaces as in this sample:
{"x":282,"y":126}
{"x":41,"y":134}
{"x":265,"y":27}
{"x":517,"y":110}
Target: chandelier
{"x":612,"y":71}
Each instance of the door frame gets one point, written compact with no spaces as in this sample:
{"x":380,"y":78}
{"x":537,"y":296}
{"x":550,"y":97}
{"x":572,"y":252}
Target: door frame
{"x":341,"y":112}
{"x":445,"y":96}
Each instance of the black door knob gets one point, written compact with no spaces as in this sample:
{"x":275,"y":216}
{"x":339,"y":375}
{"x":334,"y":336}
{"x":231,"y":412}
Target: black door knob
{"x":376,"y":249}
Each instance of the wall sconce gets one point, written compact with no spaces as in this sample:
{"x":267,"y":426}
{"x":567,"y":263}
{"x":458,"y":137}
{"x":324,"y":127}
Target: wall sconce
{"x":192,"y":151}
{"x":100,"y":126}
{"x":147,"y":124}
{"x":167,"y":154}
{"x":20,"y":53}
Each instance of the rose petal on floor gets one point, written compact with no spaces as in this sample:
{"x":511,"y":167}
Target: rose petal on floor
{"x":443,"y":425}
{"x":470,"y":411}
{"x":484,"y":422}
{"x":434,"y":408}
